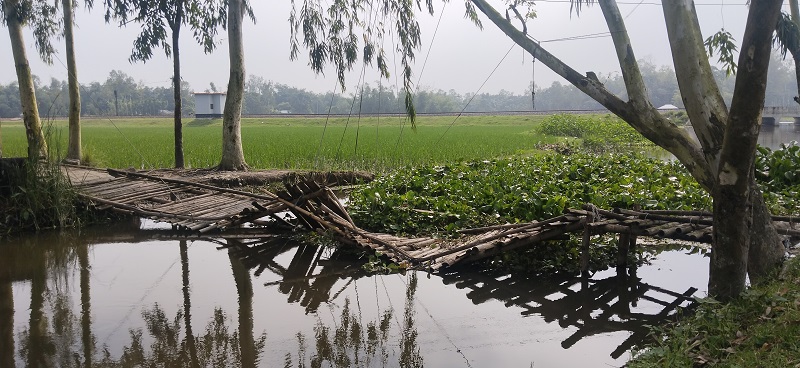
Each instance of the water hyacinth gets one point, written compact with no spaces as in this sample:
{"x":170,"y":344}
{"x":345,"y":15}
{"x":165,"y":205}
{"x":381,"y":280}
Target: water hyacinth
{"x":477,"y":193}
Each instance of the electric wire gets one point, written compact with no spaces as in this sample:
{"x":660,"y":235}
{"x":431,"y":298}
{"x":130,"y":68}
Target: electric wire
{"x":325,"y":127}
{"x":142,"y":298}
{"x":136,"y":149}
{"x":439,"y":326}
{"x":424,"y":63}
{"x":475,"y":94}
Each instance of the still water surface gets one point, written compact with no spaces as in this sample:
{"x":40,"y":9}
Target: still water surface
{"x":115,"y":296}
{"x":772,"y":136}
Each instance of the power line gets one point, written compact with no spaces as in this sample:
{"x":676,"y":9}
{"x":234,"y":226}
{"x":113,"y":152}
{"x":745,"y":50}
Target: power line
{"x":649,"y":3}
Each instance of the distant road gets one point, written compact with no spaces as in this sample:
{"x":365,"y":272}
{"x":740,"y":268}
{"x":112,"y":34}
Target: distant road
{"x":477,"y":113}
{"x":267,"y":116}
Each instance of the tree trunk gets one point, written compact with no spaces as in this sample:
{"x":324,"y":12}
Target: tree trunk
{"x":37,"y":146}
{"x":766,"y":251}
{"x":722,"y":162}
{"x":176,"y":86}
{"x":74,"y":145}
{"x":232,"y":152}
{"x":37,"y":324}
{"x":87,"y":339}
{"x":244,"y":287}
{"x":7,"y":352}
{"x":733,"y":200}
{"x":187,"y":305}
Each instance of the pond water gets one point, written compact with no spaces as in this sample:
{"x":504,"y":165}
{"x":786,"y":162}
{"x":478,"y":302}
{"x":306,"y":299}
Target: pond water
{"x":772,"y":136}
{"x":119,"y":296}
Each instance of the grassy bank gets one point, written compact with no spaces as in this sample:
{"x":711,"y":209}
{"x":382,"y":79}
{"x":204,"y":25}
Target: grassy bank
{"x":759,"y":329}
{"x":299,"y":143}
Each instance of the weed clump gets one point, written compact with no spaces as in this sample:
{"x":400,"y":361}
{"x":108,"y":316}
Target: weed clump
{"x":36,"y":195}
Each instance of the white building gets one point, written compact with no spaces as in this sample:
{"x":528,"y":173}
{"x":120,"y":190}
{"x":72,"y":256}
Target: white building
{"x":209,"y":104}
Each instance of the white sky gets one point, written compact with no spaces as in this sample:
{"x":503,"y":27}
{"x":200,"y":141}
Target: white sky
{"x":461,"y":57}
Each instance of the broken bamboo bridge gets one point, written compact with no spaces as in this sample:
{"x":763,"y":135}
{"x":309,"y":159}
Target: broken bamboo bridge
{"x":203,"y":209}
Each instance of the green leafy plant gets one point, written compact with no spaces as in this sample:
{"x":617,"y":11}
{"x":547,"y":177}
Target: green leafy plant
{"x":758,"y":329}
{"x":445,"y":198}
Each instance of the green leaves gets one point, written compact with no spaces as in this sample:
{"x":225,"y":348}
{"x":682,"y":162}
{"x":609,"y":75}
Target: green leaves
{"x":787,"y":36}
{"x":478,"y":193}
{"x":778,"y":172}
{"x":159,"y":19}
{"x":332,"y":32}
{"x":598,"y":133}
{"x":723,"y":42}
{"x":43,"y":19}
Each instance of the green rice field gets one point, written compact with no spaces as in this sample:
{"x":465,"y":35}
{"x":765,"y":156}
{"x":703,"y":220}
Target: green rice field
{"x":293,"y":143}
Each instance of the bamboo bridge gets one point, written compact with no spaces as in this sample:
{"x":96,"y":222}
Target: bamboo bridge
{"x":198,"y":208}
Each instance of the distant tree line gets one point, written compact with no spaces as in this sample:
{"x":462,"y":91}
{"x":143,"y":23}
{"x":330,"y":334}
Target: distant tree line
{"x":120,"y":94}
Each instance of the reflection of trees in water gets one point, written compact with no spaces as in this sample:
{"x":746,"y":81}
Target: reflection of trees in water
{"x":311,"y":274}
{"x":56,"y":336}
{"x":50,"y":336}
{"x":409,"y":354}
{"x":218,"y":346}
{"x":350,"y":343}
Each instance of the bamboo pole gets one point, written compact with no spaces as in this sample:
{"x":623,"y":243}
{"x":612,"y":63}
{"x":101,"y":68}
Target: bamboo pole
{"x":585,"y":242}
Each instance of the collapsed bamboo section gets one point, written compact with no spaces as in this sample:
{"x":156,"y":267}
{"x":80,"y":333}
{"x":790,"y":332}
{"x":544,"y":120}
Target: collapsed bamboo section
{"x":207,"y":209}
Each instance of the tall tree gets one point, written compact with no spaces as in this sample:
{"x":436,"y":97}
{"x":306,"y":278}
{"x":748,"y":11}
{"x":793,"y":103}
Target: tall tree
{"x":39,"y":15}
{"x":232,"y":152}
{"x":787,"y":35}
{"x":74,"y":144}
{"x":744,"y":238}
{"x":156,"y":16}
{"x":745,"y":241}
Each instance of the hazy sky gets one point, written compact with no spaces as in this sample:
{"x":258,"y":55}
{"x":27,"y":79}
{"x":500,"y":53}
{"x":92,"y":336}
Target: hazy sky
{"x":461,"y":55}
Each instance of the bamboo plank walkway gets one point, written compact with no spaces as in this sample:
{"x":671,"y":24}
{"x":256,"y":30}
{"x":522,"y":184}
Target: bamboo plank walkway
{"x":204,"y":209}
{"x":190,"y":206}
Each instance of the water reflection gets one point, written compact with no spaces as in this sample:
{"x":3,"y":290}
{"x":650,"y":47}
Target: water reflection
{"x":311,"y":274}
{"x":593,"y":305}
{"x":316,"y":307}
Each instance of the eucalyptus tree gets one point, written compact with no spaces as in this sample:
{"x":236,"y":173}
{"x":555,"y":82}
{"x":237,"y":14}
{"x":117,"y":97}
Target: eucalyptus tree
{"x":40,"y":16}
{"x":161,"y":22}
{"x":74,"y":144}
{"x":232,"y":152}
{"x":745,"y":240}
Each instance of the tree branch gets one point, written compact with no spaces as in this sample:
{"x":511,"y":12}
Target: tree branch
{"x":641,"y":116}
{"x":744,"y":123}
{"x":704,"y":104}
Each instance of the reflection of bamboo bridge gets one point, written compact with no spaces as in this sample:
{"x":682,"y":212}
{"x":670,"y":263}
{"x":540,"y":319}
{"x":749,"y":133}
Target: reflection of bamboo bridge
{"x":591,"y":305}
{"x":205,"y":209}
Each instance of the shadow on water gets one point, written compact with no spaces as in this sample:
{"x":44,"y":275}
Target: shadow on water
{"x":341,"y":323}
{"x":593,"y":306}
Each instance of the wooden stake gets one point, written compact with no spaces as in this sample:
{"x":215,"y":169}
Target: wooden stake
{"x":587,"y":238}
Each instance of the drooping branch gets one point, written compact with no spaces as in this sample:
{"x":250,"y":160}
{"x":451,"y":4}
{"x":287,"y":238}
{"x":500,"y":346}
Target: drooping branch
{"x":787,"y":36}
